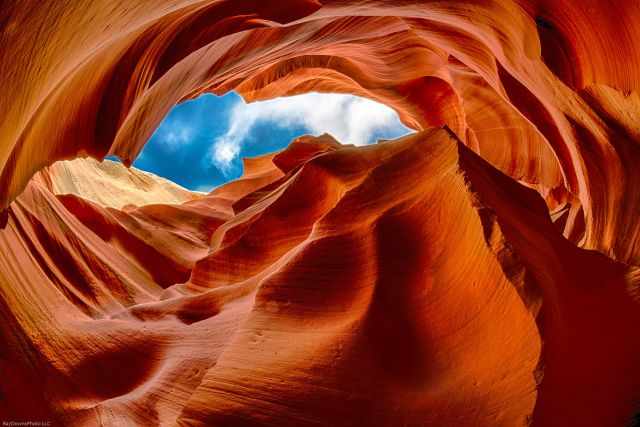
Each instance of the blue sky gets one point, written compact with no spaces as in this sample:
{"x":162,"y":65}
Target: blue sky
{"x":201,"y":142}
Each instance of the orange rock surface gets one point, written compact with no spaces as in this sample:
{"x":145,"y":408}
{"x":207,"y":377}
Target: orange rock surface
{"x":480,"y":272}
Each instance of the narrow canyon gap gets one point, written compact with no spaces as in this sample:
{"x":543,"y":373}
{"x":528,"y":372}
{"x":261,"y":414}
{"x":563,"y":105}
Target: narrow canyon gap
{"x":200,"y":143}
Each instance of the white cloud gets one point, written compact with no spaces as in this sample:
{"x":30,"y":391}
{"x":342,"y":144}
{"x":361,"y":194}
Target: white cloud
{"x":174,"y":134}
{"x":350,"y":119}
{"x":224,"y":151}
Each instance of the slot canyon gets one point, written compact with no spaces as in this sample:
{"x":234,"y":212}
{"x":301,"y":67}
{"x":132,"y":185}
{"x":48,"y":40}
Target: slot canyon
{"x":483,"y":270}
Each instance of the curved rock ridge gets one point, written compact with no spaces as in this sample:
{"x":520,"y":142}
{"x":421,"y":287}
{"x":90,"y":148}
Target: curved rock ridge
{"x":111,"y":184}
{"x":483,"y":271}
{"x":281,"y":299}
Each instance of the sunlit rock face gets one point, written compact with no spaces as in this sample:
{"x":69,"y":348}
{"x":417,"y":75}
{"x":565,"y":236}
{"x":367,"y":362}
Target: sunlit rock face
{"x":110,"y":184}
{"x":480,"y":272}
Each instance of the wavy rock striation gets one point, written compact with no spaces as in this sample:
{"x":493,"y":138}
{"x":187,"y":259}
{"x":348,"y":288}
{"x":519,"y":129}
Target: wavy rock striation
{"x":109,"y":183}
{"x":481,"y":272}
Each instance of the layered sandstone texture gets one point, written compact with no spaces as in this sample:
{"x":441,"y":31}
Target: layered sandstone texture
{"x":110,"y":184}
{"x":483,"y":271}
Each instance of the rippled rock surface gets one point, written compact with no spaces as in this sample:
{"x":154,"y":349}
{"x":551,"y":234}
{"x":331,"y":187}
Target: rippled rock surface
{"x":480,"y":272}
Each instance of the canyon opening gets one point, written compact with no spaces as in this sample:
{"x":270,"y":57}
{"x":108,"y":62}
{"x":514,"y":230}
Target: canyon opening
{"x":320,"y":213}
{"x":200,"y":143}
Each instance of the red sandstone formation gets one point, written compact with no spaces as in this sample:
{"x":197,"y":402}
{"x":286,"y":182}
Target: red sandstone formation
{"x":481,"y":272}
